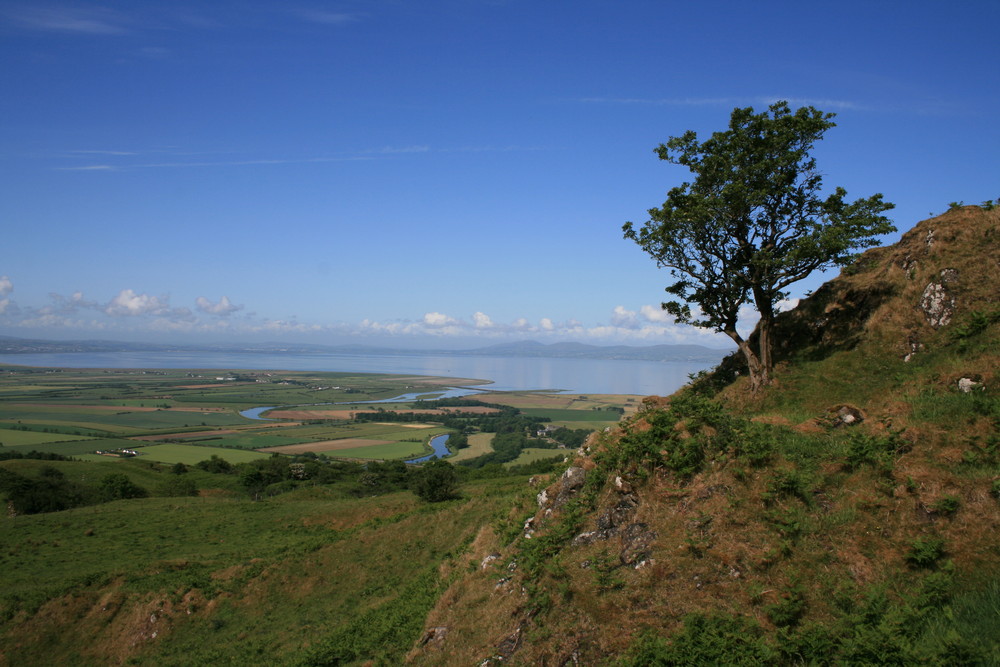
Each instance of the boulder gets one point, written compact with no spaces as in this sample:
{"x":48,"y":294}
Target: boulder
{"x":636,"y":539}
{"x":967,"y":385}
{"x":937,"y":302}
{"x":571,"y":481}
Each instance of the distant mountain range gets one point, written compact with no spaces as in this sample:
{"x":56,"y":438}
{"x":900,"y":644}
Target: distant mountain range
{"x":696,"y":353}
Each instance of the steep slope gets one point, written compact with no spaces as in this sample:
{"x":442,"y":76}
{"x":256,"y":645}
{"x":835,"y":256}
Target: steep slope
{"x":847,"y":514}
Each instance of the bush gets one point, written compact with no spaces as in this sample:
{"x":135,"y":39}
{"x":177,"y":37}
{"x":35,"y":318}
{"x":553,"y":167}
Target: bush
{"x":679,"y":436}
{"x":705,"y":640}
{"x":874,"y":450}
{"x":215,"y":464}
{"x":435,"y":481}
{"x":117,"y":486}
{"x":788,"y":609}
{"x":925,"y":552}
{"x":756,"y":445}
{"x":178,"y":487}
{"x":788,"y":482}
{"x":947,"y":505}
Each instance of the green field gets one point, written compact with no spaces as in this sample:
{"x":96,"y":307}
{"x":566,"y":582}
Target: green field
{"x":394,"y":450}
{"x":479,"y":444}
{"x":191,"y":454}
{"x":77,"y":447}
{"x":255,"y":440}
{"x":532,"y":454}
{"x":119,"y":403}
{"x":13,"y":438}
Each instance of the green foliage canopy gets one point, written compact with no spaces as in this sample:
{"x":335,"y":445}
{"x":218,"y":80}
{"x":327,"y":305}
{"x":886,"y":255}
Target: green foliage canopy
{"x":752,"y":222}
{"x":435,"y":481}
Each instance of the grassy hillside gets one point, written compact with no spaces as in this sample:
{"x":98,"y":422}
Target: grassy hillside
{"x":848,"y":514}
{"x":309,"y":577}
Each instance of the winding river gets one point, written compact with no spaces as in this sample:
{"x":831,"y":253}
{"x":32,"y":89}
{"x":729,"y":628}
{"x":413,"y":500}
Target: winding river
{"x":438,"y":442}
{"x":440,"y":447}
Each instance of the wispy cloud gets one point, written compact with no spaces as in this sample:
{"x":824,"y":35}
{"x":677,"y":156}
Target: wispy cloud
{"x":100,"y":152}
{"x":90,"y":167}
{"x":218,"y":163}
{"x":224,"y":308}
{"x":326,"y":17}
{"x":119,"y":160}
{"x":392,"y":150}
{"x":79,"y":20}
{"x":819,"y":102}
{"x":662,"y":101}
{"x":493,"y":149}
{"x":824,"y":103}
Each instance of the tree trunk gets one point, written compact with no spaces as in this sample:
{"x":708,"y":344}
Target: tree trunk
{"x":759,"y":375}
{"x":764,"y":345}
{"x":766,"y":309}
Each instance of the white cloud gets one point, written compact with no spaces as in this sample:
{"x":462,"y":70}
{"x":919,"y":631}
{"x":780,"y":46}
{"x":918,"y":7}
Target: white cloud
{"x":67,"y":305}
{"x":128,"y":303}
{"x":655,"y":314}
{"x":622,"y":317}
{"x":786,"y":304}
{"x":134,"y":312}
{"x":482,"y":320}
{"x":6,"y":287}
{"x":436,"y":320}
{"x":223,"y":308}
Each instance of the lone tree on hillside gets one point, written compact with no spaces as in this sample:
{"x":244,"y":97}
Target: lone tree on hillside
{"x":752,"y":223}
{"x":435,"y":481}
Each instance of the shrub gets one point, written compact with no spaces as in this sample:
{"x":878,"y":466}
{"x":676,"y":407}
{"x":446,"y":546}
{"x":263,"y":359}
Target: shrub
{"x":973,"y":324}
{"x":788,"y":609}
{"x":117,"y":486}
{"x":435,"y":481}
{"x":216,"y":464}
{"x":811,"y":644}
{"x":787,"y":482}
{"x":704,"y":640}
{"x":874,"y":450}
{"x":947,"y":505}
{"x":925,"y":552}
{"x":679,"y":436}
{"x":755,"y":446}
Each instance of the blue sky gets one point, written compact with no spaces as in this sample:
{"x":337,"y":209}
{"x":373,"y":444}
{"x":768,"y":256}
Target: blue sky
{"x":446,"y":173}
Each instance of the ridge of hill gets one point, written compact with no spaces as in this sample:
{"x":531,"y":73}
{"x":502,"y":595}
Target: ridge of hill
{"x":847,"y":514}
